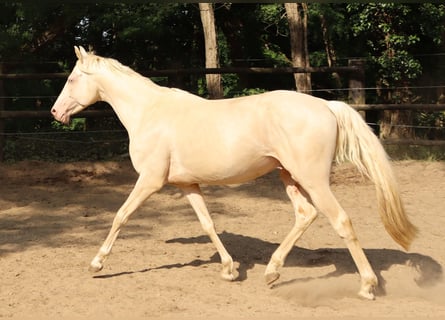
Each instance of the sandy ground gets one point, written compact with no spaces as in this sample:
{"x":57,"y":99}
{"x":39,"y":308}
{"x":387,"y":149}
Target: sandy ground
{"x":54,"y":217}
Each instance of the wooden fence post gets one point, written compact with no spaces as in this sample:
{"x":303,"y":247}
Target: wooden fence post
{"x":357,"y":83}
{"x":2,"y":121}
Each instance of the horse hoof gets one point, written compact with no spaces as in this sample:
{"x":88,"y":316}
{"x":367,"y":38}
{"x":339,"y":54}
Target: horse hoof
{"x":228,"y":271}
{"x":271,"y":277}
{"x":95,"y":267}
{"x":228,"y":277}
{"x":366,"y":294}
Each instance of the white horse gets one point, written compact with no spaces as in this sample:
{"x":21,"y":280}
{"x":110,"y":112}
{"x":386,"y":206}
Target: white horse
{"x":181,"y":139}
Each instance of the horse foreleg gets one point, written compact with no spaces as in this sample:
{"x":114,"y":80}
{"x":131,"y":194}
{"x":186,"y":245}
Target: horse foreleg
{"x":145,"y":186}
{"x":305,"y":214}
{"x":194,"y":195}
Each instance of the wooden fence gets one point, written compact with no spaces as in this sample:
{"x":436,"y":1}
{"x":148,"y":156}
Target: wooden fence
{"x":354,"y":71}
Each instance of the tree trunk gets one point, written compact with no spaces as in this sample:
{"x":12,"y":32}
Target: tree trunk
{"x":230,"y":25}
{"x":393,"y":125}
{"x":297,"y":20}
{"x":397,"y":124}
{"x":214,"y":85}
{"x":329,"y":48}
{"x":2,"y":121}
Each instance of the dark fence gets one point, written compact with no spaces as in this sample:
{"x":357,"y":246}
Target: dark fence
{"x":354,"y":72}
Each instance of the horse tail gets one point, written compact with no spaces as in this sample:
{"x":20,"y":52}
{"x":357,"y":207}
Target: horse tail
{"x":358,"y":144}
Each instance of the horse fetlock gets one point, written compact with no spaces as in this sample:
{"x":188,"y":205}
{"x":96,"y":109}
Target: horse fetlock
{"x":367,"y":289}
{"x":276,"y":261}
{"x":96,"y":265}
{"x":227,"y":272}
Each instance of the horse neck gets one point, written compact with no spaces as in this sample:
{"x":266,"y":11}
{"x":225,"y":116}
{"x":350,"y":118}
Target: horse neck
{"x":129,"y":95}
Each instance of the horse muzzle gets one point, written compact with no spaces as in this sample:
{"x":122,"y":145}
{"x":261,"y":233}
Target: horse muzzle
{"x":64,"y":114}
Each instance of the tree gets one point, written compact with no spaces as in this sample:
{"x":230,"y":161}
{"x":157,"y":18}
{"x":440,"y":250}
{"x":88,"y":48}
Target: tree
{"x":329,"y":19}
{"x":398,"y":41}
{"x":390,"y":34}
{"x":30,"y":30}
{"x":297,"y":15}
{"x":214,"y":86}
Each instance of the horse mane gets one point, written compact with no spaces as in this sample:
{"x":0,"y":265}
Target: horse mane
{"x":95,"y":64}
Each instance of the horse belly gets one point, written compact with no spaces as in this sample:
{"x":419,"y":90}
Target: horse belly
{"x":225,"y":172}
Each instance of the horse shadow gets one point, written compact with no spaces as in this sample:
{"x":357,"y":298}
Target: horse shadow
{"x":249,"y":251}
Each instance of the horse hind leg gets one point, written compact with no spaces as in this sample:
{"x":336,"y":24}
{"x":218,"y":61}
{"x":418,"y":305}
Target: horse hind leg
{"x":326,"y":203}
{"x":305,"y":214}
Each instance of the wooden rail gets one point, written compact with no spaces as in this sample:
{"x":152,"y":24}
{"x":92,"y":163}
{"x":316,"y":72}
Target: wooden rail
{"x":355,"y":71}
{"x":171,"y":72}
{"x":46,"y":114}
{"x":401,"y":106}
{"x":42,"y":114}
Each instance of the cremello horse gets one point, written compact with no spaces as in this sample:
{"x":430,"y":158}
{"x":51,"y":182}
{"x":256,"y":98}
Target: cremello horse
{"x":184,"y":140}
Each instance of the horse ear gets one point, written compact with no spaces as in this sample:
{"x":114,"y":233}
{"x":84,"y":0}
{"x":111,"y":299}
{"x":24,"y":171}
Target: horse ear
{"x":83,"y":52}
{"x":80,"y":53}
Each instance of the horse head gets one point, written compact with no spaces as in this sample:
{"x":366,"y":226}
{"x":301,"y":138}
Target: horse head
{"x":79,"y":91}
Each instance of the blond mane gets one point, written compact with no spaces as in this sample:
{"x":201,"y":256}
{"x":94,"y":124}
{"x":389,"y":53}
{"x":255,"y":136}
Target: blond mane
{"x":95,"y":64}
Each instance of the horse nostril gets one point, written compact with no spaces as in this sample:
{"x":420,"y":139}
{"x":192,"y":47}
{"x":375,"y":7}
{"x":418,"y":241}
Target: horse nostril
{"x":53,"y":110}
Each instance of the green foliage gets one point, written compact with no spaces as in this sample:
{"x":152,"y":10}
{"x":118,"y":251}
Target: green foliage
{"x":338,"y":30}
{"x":273,"y":18}
{"x":391,"y":33}
{"x":276,"y":57}
{"x":432,"y":124}
{"x":397,"y":39}
{"x":76,"y":124}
